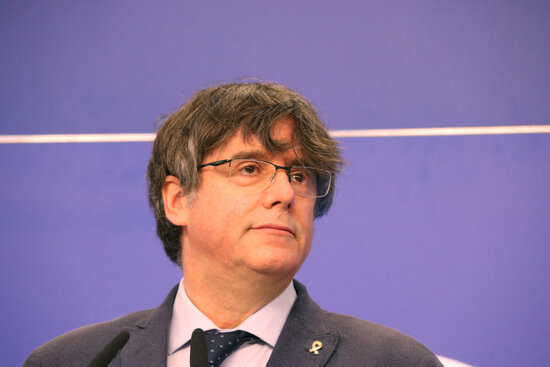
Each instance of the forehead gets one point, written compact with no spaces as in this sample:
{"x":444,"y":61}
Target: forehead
{"x":239,"y":146}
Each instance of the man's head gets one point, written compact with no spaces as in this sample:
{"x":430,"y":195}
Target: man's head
{"x":264,"y":115}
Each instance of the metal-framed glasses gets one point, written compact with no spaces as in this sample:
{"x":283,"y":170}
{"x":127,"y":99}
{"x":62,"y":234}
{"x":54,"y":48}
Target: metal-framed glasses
{"x":255,"y":175}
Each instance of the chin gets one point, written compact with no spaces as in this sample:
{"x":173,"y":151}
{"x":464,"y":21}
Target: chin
{"x":275,"y":256}
{"x":285,"y":271}
{"x":276,"y":265}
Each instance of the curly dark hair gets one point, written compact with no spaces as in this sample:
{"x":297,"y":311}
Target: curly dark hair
{"x":210,"y":118}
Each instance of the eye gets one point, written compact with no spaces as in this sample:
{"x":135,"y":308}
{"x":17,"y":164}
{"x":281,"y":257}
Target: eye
{"x":298,"y":176}
{"x":248,"y":168}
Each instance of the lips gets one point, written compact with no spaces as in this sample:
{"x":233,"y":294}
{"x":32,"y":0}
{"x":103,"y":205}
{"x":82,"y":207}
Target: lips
{"x":274,"y":227}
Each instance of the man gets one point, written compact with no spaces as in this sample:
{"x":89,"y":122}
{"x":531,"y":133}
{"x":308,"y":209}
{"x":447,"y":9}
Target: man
{"x":236,"y":178}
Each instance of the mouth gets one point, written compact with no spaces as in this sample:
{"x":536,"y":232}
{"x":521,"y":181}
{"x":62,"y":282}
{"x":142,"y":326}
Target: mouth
{"x":274,"y":228}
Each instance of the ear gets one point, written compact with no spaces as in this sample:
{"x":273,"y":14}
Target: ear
{"x":175,"y":201}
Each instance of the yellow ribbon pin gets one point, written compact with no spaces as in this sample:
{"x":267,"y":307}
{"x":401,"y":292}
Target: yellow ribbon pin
{"x":315,"y":347}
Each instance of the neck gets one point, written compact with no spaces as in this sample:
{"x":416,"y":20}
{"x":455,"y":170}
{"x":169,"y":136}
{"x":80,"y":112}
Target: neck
{"x":229,"y":302}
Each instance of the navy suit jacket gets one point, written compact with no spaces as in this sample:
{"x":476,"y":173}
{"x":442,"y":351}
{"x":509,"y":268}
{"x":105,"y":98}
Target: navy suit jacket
{"x":346,"y":341}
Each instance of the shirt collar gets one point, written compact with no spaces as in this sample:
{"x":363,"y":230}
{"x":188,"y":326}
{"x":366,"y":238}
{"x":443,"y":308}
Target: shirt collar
{"x":267,"y":323}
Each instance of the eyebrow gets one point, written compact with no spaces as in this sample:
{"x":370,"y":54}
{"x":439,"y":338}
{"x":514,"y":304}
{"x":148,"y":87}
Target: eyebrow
{"x":263,"y":156}
{"x":254,"y":154}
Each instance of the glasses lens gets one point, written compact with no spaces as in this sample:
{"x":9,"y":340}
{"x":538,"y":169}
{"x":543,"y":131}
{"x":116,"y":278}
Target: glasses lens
{"x":310,"y":182}
{"x":250,"y":173}
{"x":257,"y":175}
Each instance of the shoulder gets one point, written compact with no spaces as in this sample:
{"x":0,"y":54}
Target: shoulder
{"x":147,"y":330}
{"x":361,"y":342}
{"x":379,"y":344}
{"x":82,"y":344}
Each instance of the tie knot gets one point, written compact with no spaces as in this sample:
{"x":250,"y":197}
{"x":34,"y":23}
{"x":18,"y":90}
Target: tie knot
{"x":221,"y":345}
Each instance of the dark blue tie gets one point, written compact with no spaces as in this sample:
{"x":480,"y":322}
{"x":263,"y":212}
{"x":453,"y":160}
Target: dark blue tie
{"x":221,"y":345}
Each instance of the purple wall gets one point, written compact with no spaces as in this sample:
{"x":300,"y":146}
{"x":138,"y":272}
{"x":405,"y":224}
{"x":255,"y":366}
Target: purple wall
{"x":444,"y":238}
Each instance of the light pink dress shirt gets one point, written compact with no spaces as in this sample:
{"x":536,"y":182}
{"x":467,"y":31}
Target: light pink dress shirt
{"x":267,"y":324}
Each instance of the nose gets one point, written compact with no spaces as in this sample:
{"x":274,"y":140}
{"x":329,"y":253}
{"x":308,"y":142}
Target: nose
{"x":279,"y":191}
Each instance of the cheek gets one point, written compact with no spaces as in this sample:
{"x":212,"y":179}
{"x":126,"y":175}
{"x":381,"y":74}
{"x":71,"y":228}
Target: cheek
{"x":221,"y":217}
{"x":305,"y":219}
{"x":306,"y":215}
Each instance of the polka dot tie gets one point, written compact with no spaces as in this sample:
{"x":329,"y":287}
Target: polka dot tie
{"x":221,"y":345}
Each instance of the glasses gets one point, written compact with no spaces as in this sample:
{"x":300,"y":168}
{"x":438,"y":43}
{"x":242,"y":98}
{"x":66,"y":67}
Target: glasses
{"x":255,"y":175}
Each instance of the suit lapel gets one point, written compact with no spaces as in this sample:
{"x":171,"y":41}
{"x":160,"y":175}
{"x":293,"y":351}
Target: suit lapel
{"x":304,"y":334}
{"x":148,"y":344}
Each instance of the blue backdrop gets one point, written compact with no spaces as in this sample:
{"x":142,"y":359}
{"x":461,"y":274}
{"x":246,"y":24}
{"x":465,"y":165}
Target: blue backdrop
{"x":443,"y":238}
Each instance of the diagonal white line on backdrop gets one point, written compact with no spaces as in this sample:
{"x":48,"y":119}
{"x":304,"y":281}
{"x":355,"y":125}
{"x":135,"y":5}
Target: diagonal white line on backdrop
{"x":442,"y":131}
{"x":77,"y":138}
{"x":364,"y":133}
